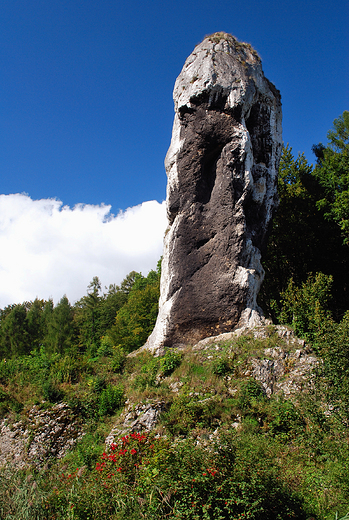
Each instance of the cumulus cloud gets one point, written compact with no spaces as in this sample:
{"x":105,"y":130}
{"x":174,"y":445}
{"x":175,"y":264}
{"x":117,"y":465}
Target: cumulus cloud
{"x":48,"y":250}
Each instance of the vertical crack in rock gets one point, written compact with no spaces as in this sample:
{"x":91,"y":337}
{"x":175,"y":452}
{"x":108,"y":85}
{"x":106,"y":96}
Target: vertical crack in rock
{"x":222,"y":172}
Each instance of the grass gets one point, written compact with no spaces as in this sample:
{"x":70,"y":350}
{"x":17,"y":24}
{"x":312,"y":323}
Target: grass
{"x":239,"y":46}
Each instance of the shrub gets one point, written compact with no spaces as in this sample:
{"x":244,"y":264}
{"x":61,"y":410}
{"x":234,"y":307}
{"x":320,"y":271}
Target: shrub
{"x":188,"y":412}
{"x":170,"y":362}
{"x":285,"y":419}
{"x":148,"y":372}
{"x":223,"y":366}
{"x":51,"y":392}
{"x":333,"y":378}
{"x":305,"y":307}
{"x":250,"y":392}
{"x":110,"y":399}
{"x":119,"y":359}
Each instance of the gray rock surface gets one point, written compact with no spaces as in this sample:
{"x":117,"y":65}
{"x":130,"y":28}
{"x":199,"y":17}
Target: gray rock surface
{"x":222,"y":172}
{"x":141,"y":417}
{"x":45,"y":434}
{"x":282,"y":370}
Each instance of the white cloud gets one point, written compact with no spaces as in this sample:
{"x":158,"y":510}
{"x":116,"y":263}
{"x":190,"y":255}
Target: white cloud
{"x":48,"y":250}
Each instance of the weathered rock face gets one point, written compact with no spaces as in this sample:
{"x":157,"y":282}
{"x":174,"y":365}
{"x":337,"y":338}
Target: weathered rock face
{"x":222,"y":171}
{"x":45,"y":434}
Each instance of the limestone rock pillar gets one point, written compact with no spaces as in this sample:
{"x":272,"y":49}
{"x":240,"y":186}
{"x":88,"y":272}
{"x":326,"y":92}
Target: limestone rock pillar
{"x":222,"y":169}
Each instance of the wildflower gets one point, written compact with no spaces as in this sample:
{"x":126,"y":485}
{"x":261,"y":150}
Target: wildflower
{"x":133,"y":451}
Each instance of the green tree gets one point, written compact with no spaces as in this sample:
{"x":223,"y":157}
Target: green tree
{"x":302,"y":240}
{"x":110,"y":304}
{"x":332,"y":172}
{"x":15,"y":337}
{"x":36,"y":325}
{"x":135,"y":320}
{"x":61,"y":327}
{"x":87,"y":314}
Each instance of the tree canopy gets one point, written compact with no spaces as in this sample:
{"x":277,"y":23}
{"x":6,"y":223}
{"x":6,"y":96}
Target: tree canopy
{"x":332,"y":173}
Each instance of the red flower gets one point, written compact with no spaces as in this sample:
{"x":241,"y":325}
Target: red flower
{"x":133,"y":451}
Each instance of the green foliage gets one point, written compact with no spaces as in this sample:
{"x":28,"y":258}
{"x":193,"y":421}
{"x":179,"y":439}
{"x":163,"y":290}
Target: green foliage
{"x":110,"y":399}
{"x":123,"y":318}
{"x":332,"y":172}
{"x":170,"y":362}
{"x":136,"y":319}
{"x":106,"y":348}
{"x":223,"y":365}
{"x":302,"y":239}
{"x":238,"y":452}
{"x":250,"y":392}
{"x":147,"y":375}
{"x":143,"y":476}
{"x":60,"y":324}
{"x":21,"y":496}
{"x":285,"y":419}
{"x":119,"y":359}
{"x":87,"y":314}
{"x":15,"y":339}
{"x":333,"y":373}
{"x":87,"y":451}
{"x":305,"y":308}
{"x":188,"y":412}
{"x":51,"y":392}
{"x":8,"y":404}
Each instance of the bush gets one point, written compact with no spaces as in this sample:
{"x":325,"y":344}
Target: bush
{"x":148,"y":372}
{"x":119,"y":359}
{"x":305,"y":307}
{"x":285,"y":419}
{"x":223,"y":366}
{"x":110,"y":399}
{"x":170,"y":362}
{"x":51,"y":392}
{"x":249,"y":394}
{"x":188,"y":412}
{"x":333,"y":373}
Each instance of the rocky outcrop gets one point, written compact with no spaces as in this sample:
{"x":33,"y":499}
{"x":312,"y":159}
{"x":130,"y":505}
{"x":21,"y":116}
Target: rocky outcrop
{"x":136,"y":418}
{"x":43,"y":435}
{"x":281,"y":369}
{"x":222,"y":171}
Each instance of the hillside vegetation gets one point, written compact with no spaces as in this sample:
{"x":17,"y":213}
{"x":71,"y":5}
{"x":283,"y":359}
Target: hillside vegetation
{"x":250,"y":426}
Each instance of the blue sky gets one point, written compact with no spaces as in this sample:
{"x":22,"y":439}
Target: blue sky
{"x":86,"y":104}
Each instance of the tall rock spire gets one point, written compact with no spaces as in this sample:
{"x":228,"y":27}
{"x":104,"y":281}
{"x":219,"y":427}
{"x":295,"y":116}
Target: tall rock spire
{"x":222,"y":169}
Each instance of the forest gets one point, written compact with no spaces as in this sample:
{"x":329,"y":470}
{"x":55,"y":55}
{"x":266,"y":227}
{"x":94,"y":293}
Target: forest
{"x":288,"y":458}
